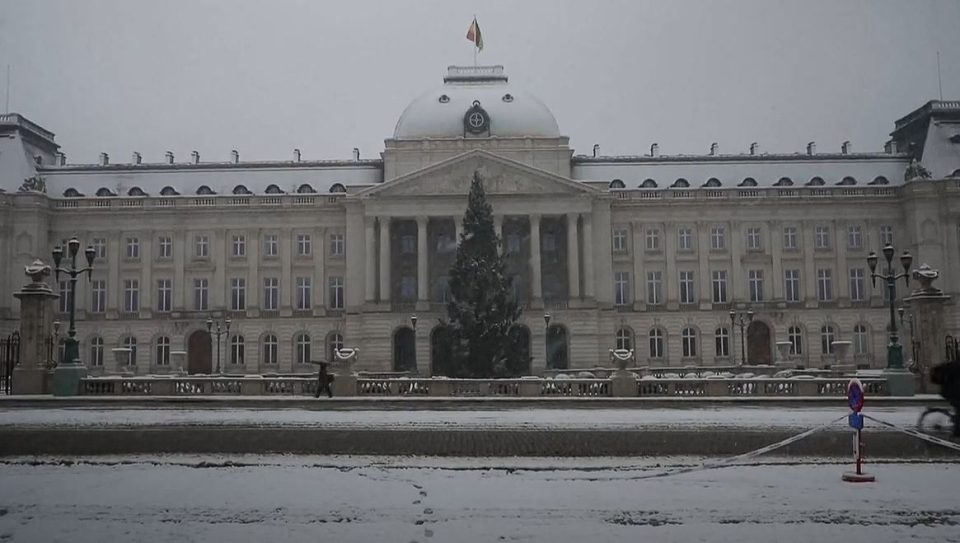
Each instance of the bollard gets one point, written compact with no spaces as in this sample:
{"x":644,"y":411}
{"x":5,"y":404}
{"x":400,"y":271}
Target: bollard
{"x":855,"y":397}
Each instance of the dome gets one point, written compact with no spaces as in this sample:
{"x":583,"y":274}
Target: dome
{"x":509,"y":112}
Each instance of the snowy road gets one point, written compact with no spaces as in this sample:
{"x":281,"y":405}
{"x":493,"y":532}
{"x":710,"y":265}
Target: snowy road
{"x":358,"y":499}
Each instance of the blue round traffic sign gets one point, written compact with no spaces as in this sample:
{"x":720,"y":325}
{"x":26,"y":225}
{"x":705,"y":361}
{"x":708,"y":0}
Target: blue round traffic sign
{"x":855,"y":395}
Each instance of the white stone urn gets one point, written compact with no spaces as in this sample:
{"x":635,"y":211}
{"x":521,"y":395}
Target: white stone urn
{"x":347,"y":357}
{"x":783,"y":351}
{"x":621,"y":357}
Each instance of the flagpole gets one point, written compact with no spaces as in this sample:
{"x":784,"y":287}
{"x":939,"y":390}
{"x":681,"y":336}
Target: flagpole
{"x":477,"y":26}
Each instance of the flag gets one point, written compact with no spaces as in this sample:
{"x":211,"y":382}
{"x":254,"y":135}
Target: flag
{"x":473,"y":34}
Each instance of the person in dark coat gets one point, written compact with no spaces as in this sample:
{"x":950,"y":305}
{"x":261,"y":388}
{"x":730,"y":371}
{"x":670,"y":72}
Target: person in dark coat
{"x":947,"y":375}
{"x":323,"y":380}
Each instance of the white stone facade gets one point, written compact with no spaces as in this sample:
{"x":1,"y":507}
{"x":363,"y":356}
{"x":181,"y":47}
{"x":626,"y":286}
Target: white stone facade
{"x":650,"y":252}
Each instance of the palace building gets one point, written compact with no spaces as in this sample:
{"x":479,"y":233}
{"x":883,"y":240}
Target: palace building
{"x":649,"y":252}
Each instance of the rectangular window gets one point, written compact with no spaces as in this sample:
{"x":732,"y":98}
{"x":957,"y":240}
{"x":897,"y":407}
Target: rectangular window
{"x":654,"y":288}
{"x":886,"y":235}
{"x":719,"y":286}
{"x":336,"y":245}
{"x":722,"y":343}
{"x":239,"y":246}
{"x":201,"y":246}
{"x":790,"y":238}
{"x":164,"y":295}
{"x":718,"y":238}
{"x":165,"y":247}
{"x":271,"y":245}
{"x":824,"y":285}
{"x":238,"y":294}
{"x":98,"y":301}
{"x":133,"y":248}
{"x":304,"y":246}
{"x":408,"y":245}
{"x":753,"y":239}
{"x":685,"y":239}
{"x":755,"y":284}
{"x":336,"y":292}
{"x":131,"y":295}
{"x":791,"y":285}
{"x":821,"y":238}
{"x":854,"y":237}
{"x":549,"y":242}
{"x":303,"y":293}
{"x":621,"y":288}
{"x":99,"y":248}
{"x":513,"y":244}
{"x":201,"y":294}
{"x":619,"y":240}
{"x":271,"y":293}
{"x":653,"y":239}
{"x":63,"y":302}
{"x":858,"y":288}
{"x":687,"y":295}
{"x":408,"y":288}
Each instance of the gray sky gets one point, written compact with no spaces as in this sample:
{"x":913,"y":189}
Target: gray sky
{"x":266,"y":77}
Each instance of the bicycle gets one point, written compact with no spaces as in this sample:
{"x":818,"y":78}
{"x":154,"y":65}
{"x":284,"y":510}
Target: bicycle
{"x":936,"y":420}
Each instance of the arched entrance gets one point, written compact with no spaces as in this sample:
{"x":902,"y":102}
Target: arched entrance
{"x":557,"y":358}
{"x":404,"y":350}
{"x":199,"y":353}
{"x":440,"y":352}
{"x":758,"y":344}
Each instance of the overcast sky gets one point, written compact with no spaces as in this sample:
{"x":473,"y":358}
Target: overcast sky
{"x":268,"y":77}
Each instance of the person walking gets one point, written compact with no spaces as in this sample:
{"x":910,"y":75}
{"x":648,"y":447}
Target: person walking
{"x":323,"y":380}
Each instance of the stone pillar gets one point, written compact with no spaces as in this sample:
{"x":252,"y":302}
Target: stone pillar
{"x":535,"y":276}
{"x":385,"y":259}
{"x":371,"y":264}
{"x":458,"y":225}
{"x":589,"y":289}
{"x":423,"y":289}
{"x":36,"y":319}
{"x":927,"y":303}
{"x":573,"y":254}
{"x":498,"y":230}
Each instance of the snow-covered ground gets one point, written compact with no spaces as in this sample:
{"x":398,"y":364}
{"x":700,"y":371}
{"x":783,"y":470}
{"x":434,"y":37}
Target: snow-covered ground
{"x":532,"y":418}
{"x":363,"y":499}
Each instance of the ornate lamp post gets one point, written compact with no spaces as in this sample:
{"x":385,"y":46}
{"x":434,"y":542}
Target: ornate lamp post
{"x":71,"y":352}
{"x":223,"y":328}
{"x":894,"y":349}
{"x":413,"y":323}
{"x":741,"y":319}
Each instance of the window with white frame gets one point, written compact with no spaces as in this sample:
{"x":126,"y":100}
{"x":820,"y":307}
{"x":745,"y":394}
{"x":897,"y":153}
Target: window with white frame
{"x":861,"y":344}
{"x":719,"y":282}
{"x":408,"y":244}
{"x":619,"y":240}
{"x":132,"y":248}
{"x":754,"y":240}
{"x":164,"y":295}
{"x":131,"y":295}
{"x":201,"y":246}
{"x":304,"y":245}
{"x":238,"y":246}
{"x":886,"y":235}
{"x":334,"y":344}
{"x":821,"y":237}
{"x":656,"y":343}
{"x":98,"y":296}
{"x":824,"y":284}
{"x":336,"y":292}
{"x":302,"y":347}
{"x":654,"y":288}
{"x":795,"y":337}
{"x":790,"y":238}
{"x":238,"y":294}
{"x":165,"y":247}
{"x":827,"y":337}
{"x":621,"y":288}
{"x":687,"y":294}
{"x":854,"y":237}
{"x":718,"y":238}
{"x":270,"y":350}
{"x":688,"y":342}
{"x":755,"y":285}
{"x":858,"y":285}
{"x":63,"y":302}
{"x":130,"y":342}
{"x":271,"y":293}
{"x":791,"y":285}
{"x":652,"y":237}
{"x":336,"y":245}
{"x":722,"y":342}
{"x":162,"y":350}
{"x":99,"y":248}
{"x":303,"y":293}
{"x":201,"y":294}
{"x":237,"y":349}
{"x":624,"y":339}
{"x":685,"y":239}
{"x":271,"y":245}
{"x":96,"y":351}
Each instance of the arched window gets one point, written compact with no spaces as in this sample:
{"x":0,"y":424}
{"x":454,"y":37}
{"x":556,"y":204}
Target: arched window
{"x":847,"y":181}
{"x":334,"y":343}
{"x":956,"y":173}
{"x":237,"y":350}
{"x":130,"y":342}
{"x":860,"y":339}
{"x":273,"y":189}
{"x":680,"y":183}
{"x":136,"y":191}
{"x":712,"y":182}
{"x":784,"y":182}
{"x":302,"y":348}
{"x":104,"y":191}
{"x":827,"y":337}
{"x":305,"y":189}
{"x":240,"y":189}
{"x":96,"y":351}
{"x":881,"y":180}
{"x":270,"y":349}
{"x":748,"y":182}
{"x":648,"y":184}
{"x":169,"y":191}
{"x":617,"y":184}
{"x":722,"y":340}
{"x":624,"y":339}
{"x":816,"y":182}
{"x":656,"y":343}
{"x":72,"y":193}
{"x":795,"y":337}
{"x":162,"y":348}
{"x":337,"y":188}
{"x":688,"y":341}
{"x":205,"y":190}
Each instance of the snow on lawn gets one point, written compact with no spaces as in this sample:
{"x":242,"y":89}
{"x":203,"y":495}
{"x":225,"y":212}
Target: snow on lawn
{"x":284,"y":498}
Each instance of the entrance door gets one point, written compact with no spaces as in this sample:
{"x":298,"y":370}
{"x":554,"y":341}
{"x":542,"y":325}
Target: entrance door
{"x":404,"y":350}
{"x":199,"y":353}
{"x":557,"y":348}
{"x":758,"y":344}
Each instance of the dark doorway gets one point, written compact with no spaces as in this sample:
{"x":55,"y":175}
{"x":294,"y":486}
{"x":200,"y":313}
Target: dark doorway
{"x":557,"y":348}
{"x":520,"y":336}
{"x":404,"y":350}
{"x":440,"y":351}
{"x":758,"y":344}
{"x":199,"y":353}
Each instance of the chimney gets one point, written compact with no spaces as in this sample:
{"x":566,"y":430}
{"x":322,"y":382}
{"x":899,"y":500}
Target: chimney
{"x":890,"y":147}
{"x":356,"y":153}
{"x":169,"y":156}
{"x":596,"y":150}
{"x":195,"y":157}
{"x":104,"y":159}
{"x":812,"y":148}
{"x":655,"y":149}
{"x":136,"y":158}
{"x":714,"y":148}
{"x":296,"y":155}
{"x":234,"y":156}
{"x":845,"y":148}
{"x":754,"y":147}
{"x":61,"y":159}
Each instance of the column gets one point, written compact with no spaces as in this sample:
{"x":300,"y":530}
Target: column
{"x":384,"y":259}
{"x":422,"y":250}
{"x":319,"y":270}
{"x":535,"y":257}
{"x":589,"y":289}
{"x":371,"y":264}
{"x":809,"y":269}
{"x":458,"y":223}
{"x":288,"y":284}
{"x":254,"y":288}
{"x":636,"y":237}
{"x":116,"y":252}
{"x":219,"y":289}
{"x":671,"y":277}
{"x":573,"y":254}
{"x":776,"y":249}
{"x":180,"y":287}
{"x":702,"y":246}
{"x":841,"y":276}
{"x":146,"y":275}
{"x":738,"y":277}
{"x":498,"y":230}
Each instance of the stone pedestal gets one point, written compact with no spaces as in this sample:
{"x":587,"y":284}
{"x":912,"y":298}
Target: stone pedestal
{"x":623,"y":384}
{"x":927,"y":305}
{"x":900,"y":382}
{"x":344,"y":385}
{"x":66,"y":379}
{"x":36,"y":323}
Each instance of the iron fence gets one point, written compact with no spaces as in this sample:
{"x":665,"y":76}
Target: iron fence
{"x":9,"y":358}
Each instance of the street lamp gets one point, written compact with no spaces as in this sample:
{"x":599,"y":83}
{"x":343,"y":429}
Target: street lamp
{"x":223,"y":328}
{"x":413,"y":322}
{"x":741,"y":319}
{"x":71,"y":351}
{"x":889,"y":276}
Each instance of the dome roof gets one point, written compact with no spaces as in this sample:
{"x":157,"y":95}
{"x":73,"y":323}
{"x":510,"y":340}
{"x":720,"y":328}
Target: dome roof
{"x":440,"y":113}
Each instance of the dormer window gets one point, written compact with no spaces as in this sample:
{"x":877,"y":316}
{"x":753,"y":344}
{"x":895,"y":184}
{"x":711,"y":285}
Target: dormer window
{"x":273,"y":189}
{"x":240,"y":189}
{"x":713,"y":182}
{"x":305,"y":189}
{"x":617,"y":184}
{"x":816,"y":182}
{"x":338,"y":188}
{"x":104,"y":191}
{"x":748,"y":182}
{"x":648,"y":184}
{"x":846,"y":181}
{"x":169,"y":191}
{"x":136,"y":191}
{"x":680,"y":184}
{"x":881,"y":180}
{"x":72,"y":193}
{"x":205,"y":190}
{"x":784,"y":182}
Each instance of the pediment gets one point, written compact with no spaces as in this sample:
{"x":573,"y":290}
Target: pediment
{"x":501,"y":176}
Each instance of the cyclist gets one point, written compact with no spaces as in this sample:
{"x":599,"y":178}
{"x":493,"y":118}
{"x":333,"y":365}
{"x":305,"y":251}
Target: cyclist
{"x":947,"y":375}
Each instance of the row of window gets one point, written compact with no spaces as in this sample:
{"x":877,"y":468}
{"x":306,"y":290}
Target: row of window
{"x":686,"y":289}
{"x":689,"y":340}
{"x":822,"y":238}
{"x":205,"y":190}
{"x":130,"y":294}
{"x":713,"y":182}
{"x":202,"y":247}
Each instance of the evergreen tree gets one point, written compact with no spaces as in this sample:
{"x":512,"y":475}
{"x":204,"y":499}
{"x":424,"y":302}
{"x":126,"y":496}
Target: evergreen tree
{"x":481,"y":330}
